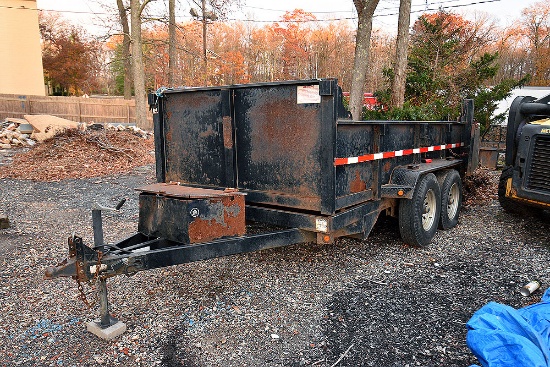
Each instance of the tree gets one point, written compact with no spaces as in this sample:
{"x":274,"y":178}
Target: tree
{"x":443,"y":47}
{"x":333,"y":48}
{"x":227,"y":49}
{"x":294,"y":32}
{"x":448,"y":62}
{"x":536,"y":22}
{"x":365,"y":11}
{"x":514,"y":55}
{"x":125,"y":50}
{"x":70,"y":59}
{"x":401,"y":51}
{"x":230,"y":69}
{"x":219,"y":10}
{"x":171,"y":41}
{"x":136,"y":7}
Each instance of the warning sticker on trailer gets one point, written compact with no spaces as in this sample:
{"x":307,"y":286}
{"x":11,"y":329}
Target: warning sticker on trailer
{"x":308,"y":94}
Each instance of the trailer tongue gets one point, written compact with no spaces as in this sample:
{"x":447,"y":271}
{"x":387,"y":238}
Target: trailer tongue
{"x":285,"y":154}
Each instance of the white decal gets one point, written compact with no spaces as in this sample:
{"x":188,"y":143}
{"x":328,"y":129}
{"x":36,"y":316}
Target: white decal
{"x":308,"y":94}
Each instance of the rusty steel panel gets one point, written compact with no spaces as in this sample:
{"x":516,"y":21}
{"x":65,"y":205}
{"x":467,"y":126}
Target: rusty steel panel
{"x":279,"y":146}
{"x":190,"y":215}
{"x":194,"y":138}
{"x":359,"y":138}
{"x":273,"y":141}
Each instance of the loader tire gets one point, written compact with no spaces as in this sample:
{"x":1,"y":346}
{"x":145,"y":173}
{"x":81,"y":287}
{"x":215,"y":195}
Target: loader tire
{"x":506,"y":203}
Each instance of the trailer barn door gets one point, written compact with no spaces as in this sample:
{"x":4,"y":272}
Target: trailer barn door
{"x":198,"y":143}
{"x":278,"y":143}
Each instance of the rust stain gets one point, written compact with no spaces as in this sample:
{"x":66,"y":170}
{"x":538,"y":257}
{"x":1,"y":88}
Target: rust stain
{"x":229,"y":222}
{"x":357,"y":185}
{"x":227,"y":136}
{"x":387,"y":166}
{"x":285,"y":136}
{"x":209,"y":132}
{"x":282,"y":128}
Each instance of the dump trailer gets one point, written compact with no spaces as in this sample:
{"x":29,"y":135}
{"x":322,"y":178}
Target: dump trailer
{"x":525,"y":179}
{"x":286,"y":154}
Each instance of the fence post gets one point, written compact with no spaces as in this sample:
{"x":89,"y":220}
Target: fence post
{"x":28,"y":108}
{"x":79,"y":111}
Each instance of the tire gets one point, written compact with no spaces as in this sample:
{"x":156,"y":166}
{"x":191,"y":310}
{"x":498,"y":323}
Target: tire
{"x":510,"y":205}
{"x":419,"y":216}
{"x":450,"y":184}
{"x":506,"y":203}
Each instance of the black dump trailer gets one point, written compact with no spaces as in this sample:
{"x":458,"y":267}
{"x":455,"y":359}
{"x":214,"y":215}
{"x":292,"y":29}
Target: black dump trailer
{"x":286,"y":154}
{"x":525,"y":180}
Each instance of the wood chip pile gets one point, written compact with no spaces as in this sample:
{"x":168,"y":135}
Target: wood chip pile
{"x":82,"y":154}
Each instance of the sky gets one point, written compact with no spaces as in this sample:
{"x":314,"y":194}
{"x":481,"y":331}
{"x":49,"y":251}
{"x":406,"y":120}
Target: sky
{"x":95,"y":18}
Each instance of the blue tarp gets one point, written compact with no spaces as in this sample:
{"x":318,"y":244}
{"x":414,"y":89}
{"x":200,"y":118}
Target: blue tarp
{"x":501,"y":336}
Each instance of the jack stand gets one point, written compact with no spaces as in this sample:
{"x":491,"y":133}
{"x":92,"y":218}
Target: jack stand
{"x":107,"y":327}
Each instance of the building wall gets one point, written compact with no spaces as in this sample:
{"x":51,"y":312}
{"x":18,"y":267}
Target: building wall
{"x":21,"y":69}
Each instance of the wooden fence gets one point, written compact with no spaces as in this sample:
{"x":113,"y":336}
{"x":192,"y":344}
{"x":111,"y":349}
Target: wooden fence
{"x":105,"y":110}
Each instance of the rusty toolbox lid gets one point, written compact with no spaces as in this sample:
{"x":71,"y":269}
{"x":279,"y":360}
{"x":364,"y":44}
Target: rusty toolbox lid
{"x":186,"y":192}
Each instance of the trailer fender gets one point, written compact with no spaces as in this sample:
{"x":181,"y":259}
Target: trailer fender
{"x":402,"y":183}
{"x":404,"y":179}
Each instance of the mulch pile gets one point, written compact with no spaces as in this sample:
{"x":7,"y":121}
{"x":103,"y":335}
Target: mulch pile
{"x":81,"y":154}
{"x":480,"y":188}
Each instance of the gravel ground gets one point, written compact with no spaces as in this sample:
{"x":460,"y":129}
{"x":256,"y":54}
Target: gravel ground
{"x":355,"y":303}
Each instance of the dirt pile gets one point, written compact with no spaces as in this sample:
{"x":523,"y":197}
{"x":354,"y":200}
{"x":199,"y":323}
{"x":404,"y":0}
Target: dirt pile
{"x":82,"y":154}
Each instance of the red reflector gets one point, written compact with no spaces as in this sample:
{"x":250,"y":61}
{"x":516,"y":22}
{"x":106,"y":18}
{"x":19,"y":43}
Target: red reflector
{"x":429,"y":160}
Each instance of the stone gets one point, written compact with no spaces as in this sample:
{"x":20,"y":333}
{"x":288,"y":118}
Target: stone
{"x":26,"y":128}
{"x":96,"y":127}
{"x":109,"y":333}
{"x":4,"y":221}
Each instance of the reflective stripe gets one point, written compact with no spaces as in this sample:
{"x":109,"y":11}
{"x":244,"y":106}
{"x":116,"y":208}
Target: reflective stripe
{"x":397,"y":153}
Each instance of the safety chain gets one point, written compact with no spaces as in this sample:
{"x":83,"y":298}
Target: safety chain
{"x":82,"y":294}
{"x":456,"y":155}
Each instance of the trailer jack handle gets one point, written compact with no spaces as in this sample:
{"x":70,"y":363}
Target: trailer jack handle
{"x":97,"y":220}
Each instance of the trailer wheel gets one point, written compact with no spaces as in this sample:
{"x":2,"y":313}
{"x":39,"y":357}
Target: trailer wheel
{"x":451,"y":198}
{"x":419,"y":216}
